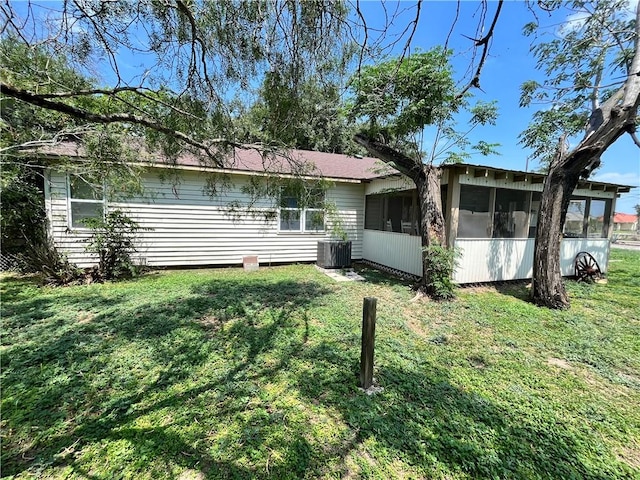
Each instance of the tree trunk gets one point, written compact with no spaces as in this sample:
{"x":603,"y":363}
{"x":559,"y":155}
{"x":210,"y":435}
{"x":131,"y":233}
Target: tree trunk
{"x":431,"y":216}
{"x":547,"y":287}
{"x":564,"y":174}
{"x":427,"y":181}
{"x":611,"y":120}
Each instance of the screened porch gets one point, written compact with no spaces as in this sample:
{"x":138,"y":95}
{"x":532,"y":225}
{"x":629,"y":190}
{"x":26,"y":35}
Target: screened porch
{"x":491,"y":218}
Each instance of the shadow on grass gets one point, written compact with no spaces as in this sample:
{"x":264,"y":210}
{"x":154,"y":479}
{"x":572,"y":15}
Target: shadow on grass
{"x":518,"y":289}
{"x":379,"y":277}
{"x":429,"y":423}
{"x":80,"y":369}
{"x":185,"y":381}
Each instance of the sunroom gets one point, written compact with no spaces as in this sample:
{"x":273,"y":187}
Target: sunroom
{"x":491,"y":217}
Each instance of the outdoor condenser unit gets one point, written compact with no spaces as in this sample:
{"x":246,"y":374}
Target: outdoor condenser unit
{"x":334,"y":254}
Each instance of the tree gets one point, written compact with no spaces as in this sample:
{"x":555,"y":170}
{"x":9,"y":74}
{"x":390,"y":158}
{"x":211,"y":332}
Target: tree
{"x":310,"y":118}
{"x":66,"y":75}
{"x":592,"y":81}
{"x":400,"y":97}
{"x":196,"y":56}
{"x":197,"y":59}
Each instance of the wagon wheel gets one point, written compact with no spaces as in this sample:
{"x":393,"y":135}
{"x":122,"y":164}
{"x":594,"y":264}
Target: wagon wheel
{"x":587,"y":269}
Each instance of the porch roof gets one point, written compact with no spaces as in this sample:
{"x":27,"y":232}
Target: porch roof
{"x":532,"y":177}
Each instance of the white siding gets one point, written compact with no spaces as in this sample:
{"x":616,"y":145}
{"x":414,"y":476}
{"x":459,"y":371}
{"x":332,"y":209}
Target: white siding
{"x":395,"y":250}
{"x":481,"y":260}
{"x":187,"y":227}
{"x":396,"y":182}
{"x":489,"y":260}
{"x":598,"y":247}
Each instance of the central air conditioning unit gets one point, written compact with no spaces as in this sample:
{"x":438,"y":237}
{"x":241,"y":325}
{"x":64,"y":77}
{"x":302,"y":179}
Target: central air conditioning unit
{"x":334,"y":254}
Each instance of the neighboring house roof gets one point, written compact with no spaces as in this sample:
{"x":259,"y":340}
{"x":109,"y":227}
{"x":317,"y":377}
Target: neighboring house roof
{"x":624,"y":218}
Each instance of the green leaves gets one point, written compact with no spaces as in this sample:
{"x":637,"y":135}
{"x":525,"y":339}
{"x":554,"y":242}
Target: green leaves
{"x":401,"y":98}
{"x":587,"y":57}
{"x":484,"y":113}
{"x":408,"y":94}
{"x":113,"y":239}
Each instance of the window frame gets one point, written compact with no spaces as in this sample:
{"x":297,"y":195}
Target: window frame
{"x":407,"y":223}
{"x":302,"y":215}
{"x":70,"y":201}
{"x":606,"y":221}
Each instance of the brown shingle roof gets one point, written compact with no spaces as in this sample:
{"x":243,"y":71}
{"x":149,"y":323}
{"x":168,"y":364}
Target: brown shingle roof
{"x":315,"y":164}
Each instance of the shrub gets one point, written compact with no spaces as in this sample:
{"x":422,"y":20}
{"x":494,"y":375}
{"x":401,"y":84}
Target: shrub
{"x":439,"y":264}
{"x":113,"y":239}
{"x":43,"y":256}
{"x":22,"y":217}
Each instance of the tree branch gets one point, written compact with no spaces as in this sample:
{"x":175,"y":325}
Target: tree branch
{"x":95,"y":91}
{"x":113,"y":93}
{"x":632,"y":85}
{"x":414,"y":26}
{"x":635,"y":138}
{"x":56,"y":139}
{"x":37,"y":100}
{"x":453,"y":25}
{"x":182,"y":8}
{"x":366,"y":36}
{"x":484,"y":43}
{"x":406,"y":165}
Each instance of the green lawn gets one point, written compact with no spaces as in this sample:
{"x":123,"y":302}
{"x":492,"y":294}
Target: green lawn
{"x":225,"y":374}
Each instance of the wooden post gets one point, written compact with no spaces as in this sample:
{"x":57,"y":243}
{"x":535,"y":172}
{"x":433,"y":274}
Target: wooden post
{"x":368,"y":340}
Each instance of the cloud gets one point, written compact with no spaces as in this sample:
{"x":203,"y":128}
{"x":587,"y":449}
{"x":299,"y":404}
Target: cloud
{"x":574,"y":22}
{"x":629,"y":178}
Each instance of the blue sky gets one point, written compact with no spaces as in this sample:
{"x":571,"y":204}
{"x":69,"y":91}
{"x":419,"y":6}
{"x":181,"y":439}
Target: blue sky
{"x":509,"y":65}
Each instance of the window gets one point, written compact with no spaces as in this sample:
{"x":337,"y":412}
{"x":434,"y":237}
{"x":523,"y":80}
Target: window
{"x":574,"y":223}
{"x":510,"y":214}
{"x":474,"y":220}
{"x":597,"y":215}
{"x":85,"y":201}
{"x":534,"y":211}
{"x":373,"y":212}
{"x":392,"y":212}
{"x":302,"y":211}
{"x":587,"y":217}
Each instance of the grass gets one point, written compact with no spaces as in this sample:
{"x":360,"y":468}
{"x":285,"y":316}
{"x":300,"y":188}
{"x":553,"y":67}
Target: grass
{"x":224,"y":374}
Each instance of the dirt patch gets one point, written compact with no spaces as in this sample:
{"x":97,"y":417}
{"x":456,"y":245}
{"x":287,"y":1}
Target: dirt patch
{"x":631,"y":456}
{"x":560,"y":363}
{"x":417,"y":327}
{"x":211,"y":324}
{"x":481,"y":288}
{"x":477,"y":362}
{"x":85,"y":317}
{"x":190,"y":474}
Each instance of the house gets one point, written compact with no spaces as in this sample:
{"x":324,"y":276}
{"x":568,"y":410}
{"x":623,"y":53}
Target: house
{"x":625,"y":222}
{"x":491,"y":215}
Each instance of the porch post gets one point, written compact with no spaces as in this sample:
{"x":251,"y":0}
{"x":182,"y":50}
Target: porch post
{"x":611,"y":215}
{"x":453,"y":204}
